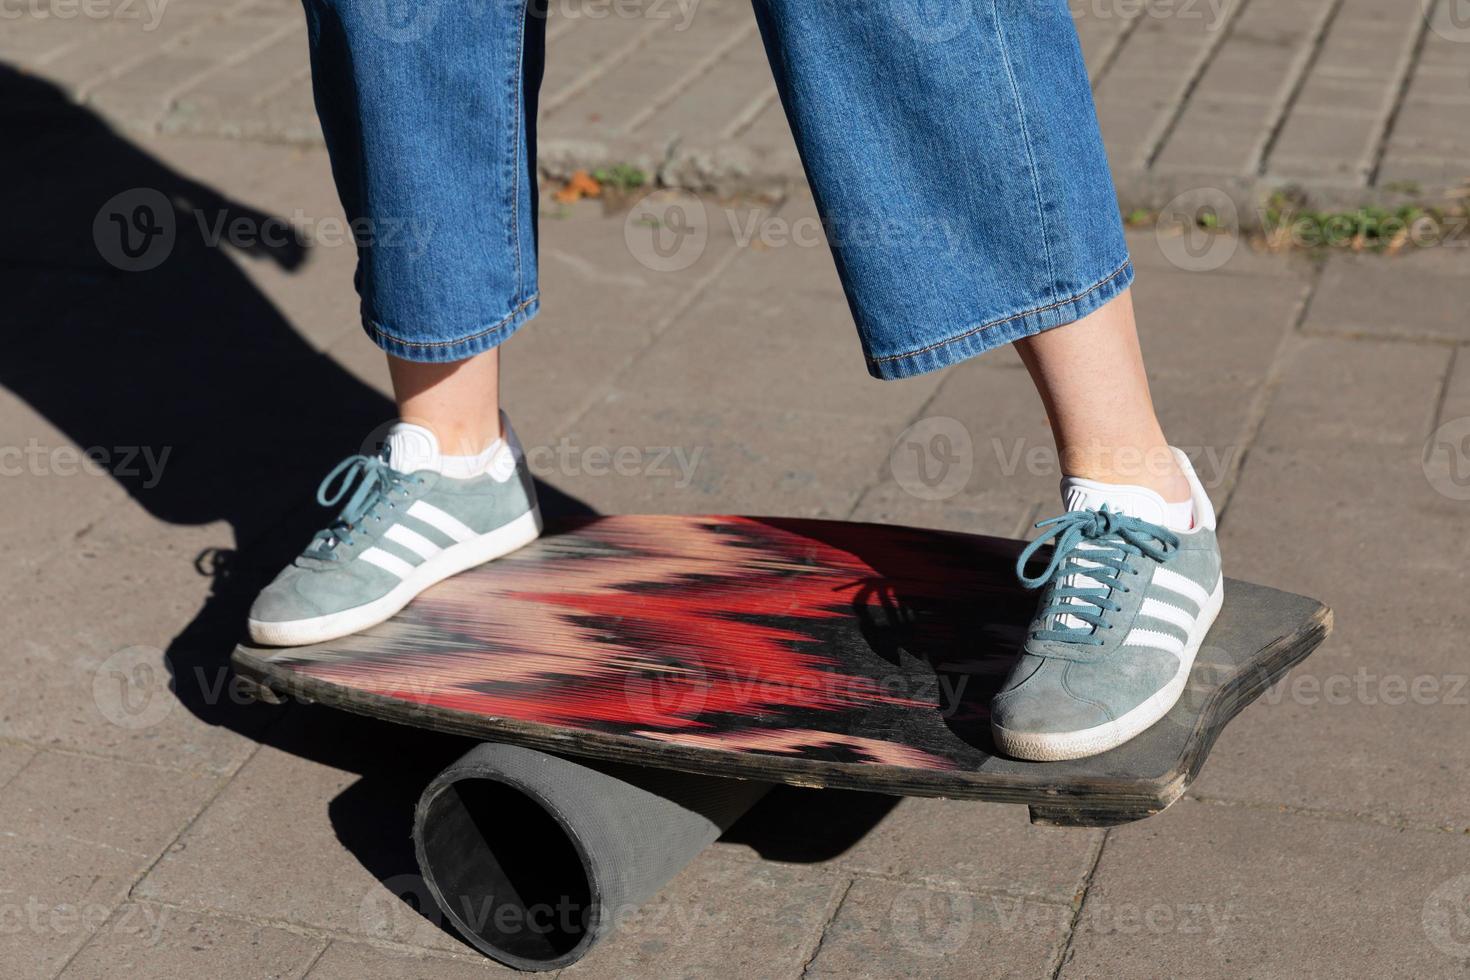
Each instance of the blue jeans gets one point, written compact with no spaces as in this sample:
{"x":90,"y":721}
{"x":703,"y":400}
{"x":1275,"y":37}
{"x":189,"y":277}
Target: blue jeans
{"x":951,"y":145}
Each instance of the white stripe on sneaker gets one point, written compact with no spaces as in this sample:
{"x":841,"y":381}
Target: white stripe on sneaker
{"x":1078,"y":580}
{"x":1168,"y":579}
{"x":387,"y":562}
{"x":450,"y":561}
{"x":435,"y":517}
{"x":1091,"y":741}
{"x":1153,"y":638}
{"x":1158,"y":609}
{"x":413,"y":541}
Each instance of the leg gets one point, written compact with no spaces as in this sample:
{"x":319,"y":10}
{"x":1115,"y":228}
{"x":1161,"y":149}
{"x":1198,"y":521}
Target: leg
{"x":446,"y":237}
{"x":1104,"y":432}
{"x":459,"y":402}
{"x":953,"y":149}
{"x":447,"y":272}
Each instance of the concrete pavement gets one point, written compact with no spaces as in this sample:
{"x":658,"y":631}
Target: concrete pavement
{"x":1344,"y":99}
{"x":154,"y":824}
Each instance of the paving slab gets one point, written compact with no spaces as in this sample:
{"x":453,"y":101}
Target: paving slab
{"x":890,"y":929}
{"x":130,"y":808}
{"x":981,"y":444}
{"x":1230,"y":93}
{"x":56,"y":894}
{"x":1189,"y":319}
{"x":14,"y":757}
{"x":775,"y":330}
{"x":111,"y":677}
{"x":610,"y":282}
{"x":1374,"y":733}
{"x":888,"y":503}
{"x":636,"y":452}
{"x":351,"y":961}
{"x":958,"y":845}
{"x":334,"y":794}
{"x":1456,"y":404}
{"x":721,"y":917}
{"x":242,"y":168}
{"x":1271,"y":895}
{"x":46,"y":495}
{"x":1169,"y":248}
{"x":296,"y":203}
{"x":1373,"y":715}
{"x":120,"y":724}
{"x":1354,"y":395}
{"x":144,"y":939}
{"x":1414,"y":297}
{"x":1232,"y":324}
{"x":1413,"y":569}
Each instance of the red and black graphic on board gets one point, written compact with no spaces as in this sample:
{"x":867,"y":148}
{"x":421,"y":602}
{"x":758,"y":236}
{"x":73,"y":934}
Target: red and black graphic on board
{"x":815,"y":639}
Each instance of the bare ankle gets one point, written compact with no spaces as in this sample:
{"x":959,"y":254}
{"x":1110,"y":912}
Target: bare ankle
{"x":456,"y":438}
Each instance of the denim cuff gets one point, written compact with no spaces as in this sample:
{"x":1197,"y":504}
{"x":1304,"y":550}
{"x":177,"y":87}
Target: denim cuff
{"x":460,"y":348}
{"x":976,"y":340}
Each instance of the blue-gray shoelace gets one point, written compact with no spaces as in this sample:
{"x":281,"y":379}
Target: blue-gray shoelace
{"x":371,"y":482}
{"x":1113,"y":539}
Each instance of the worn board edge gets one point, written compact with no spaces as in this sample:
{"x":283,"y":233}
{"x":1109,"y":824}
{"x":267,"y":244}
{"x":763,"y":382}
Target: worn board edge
{"x":1226,"y":701}
{"x":1077,"y":802}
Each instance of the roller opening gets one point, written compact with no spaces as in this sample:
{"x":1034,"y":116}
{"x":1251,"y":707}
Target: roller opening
{"x":507,"y":871}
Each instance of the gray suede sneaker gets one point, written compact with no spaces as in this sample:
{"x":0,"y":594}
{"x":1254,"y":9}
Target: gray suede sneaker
{"x":399,"y":533}
{"x":1127,"y":603}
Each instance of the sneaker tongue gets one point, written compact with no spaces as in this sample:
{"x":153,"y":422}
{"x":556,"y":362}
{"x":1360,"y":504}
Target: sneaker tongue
{"x":1080,"y":494}
{"x":412,"y":448}
{"x":1139,"y":502}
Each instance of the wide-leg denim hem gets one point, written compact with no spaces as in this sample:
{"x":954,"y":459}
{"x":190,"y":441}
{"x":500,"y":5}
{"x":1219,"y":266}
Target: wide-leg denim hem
{"x":461,"y":348}
{"x":987,"y":336}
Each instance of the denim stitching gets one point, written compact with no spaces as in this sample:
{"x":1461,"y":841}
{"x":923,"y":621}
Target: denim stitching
{"x":380,"y":332}
{"x":1005,"y":57}
{"x":518,"y":106}
{"x":1015,"y":316}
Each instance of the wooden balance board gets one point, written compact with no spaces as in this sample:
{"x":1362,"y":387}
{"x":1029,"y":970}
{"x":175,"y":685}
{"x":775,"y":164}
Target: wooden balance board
{"x":815,"y":653}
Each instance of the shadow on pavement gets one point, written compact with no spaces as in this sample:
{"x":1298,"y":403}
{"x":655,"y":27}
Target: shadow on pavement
{"x":128,"y":330}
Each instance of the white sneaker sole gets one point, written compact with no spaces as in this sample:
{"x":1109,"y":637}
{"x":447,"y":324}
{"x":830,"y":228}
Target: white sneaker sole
{"x":1056,"y":746}
{"x":451,"y":561}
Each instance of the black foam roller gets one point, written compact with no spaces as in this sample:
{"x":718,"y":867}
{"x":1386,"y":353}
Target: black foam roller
{"x":535,"y":857}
